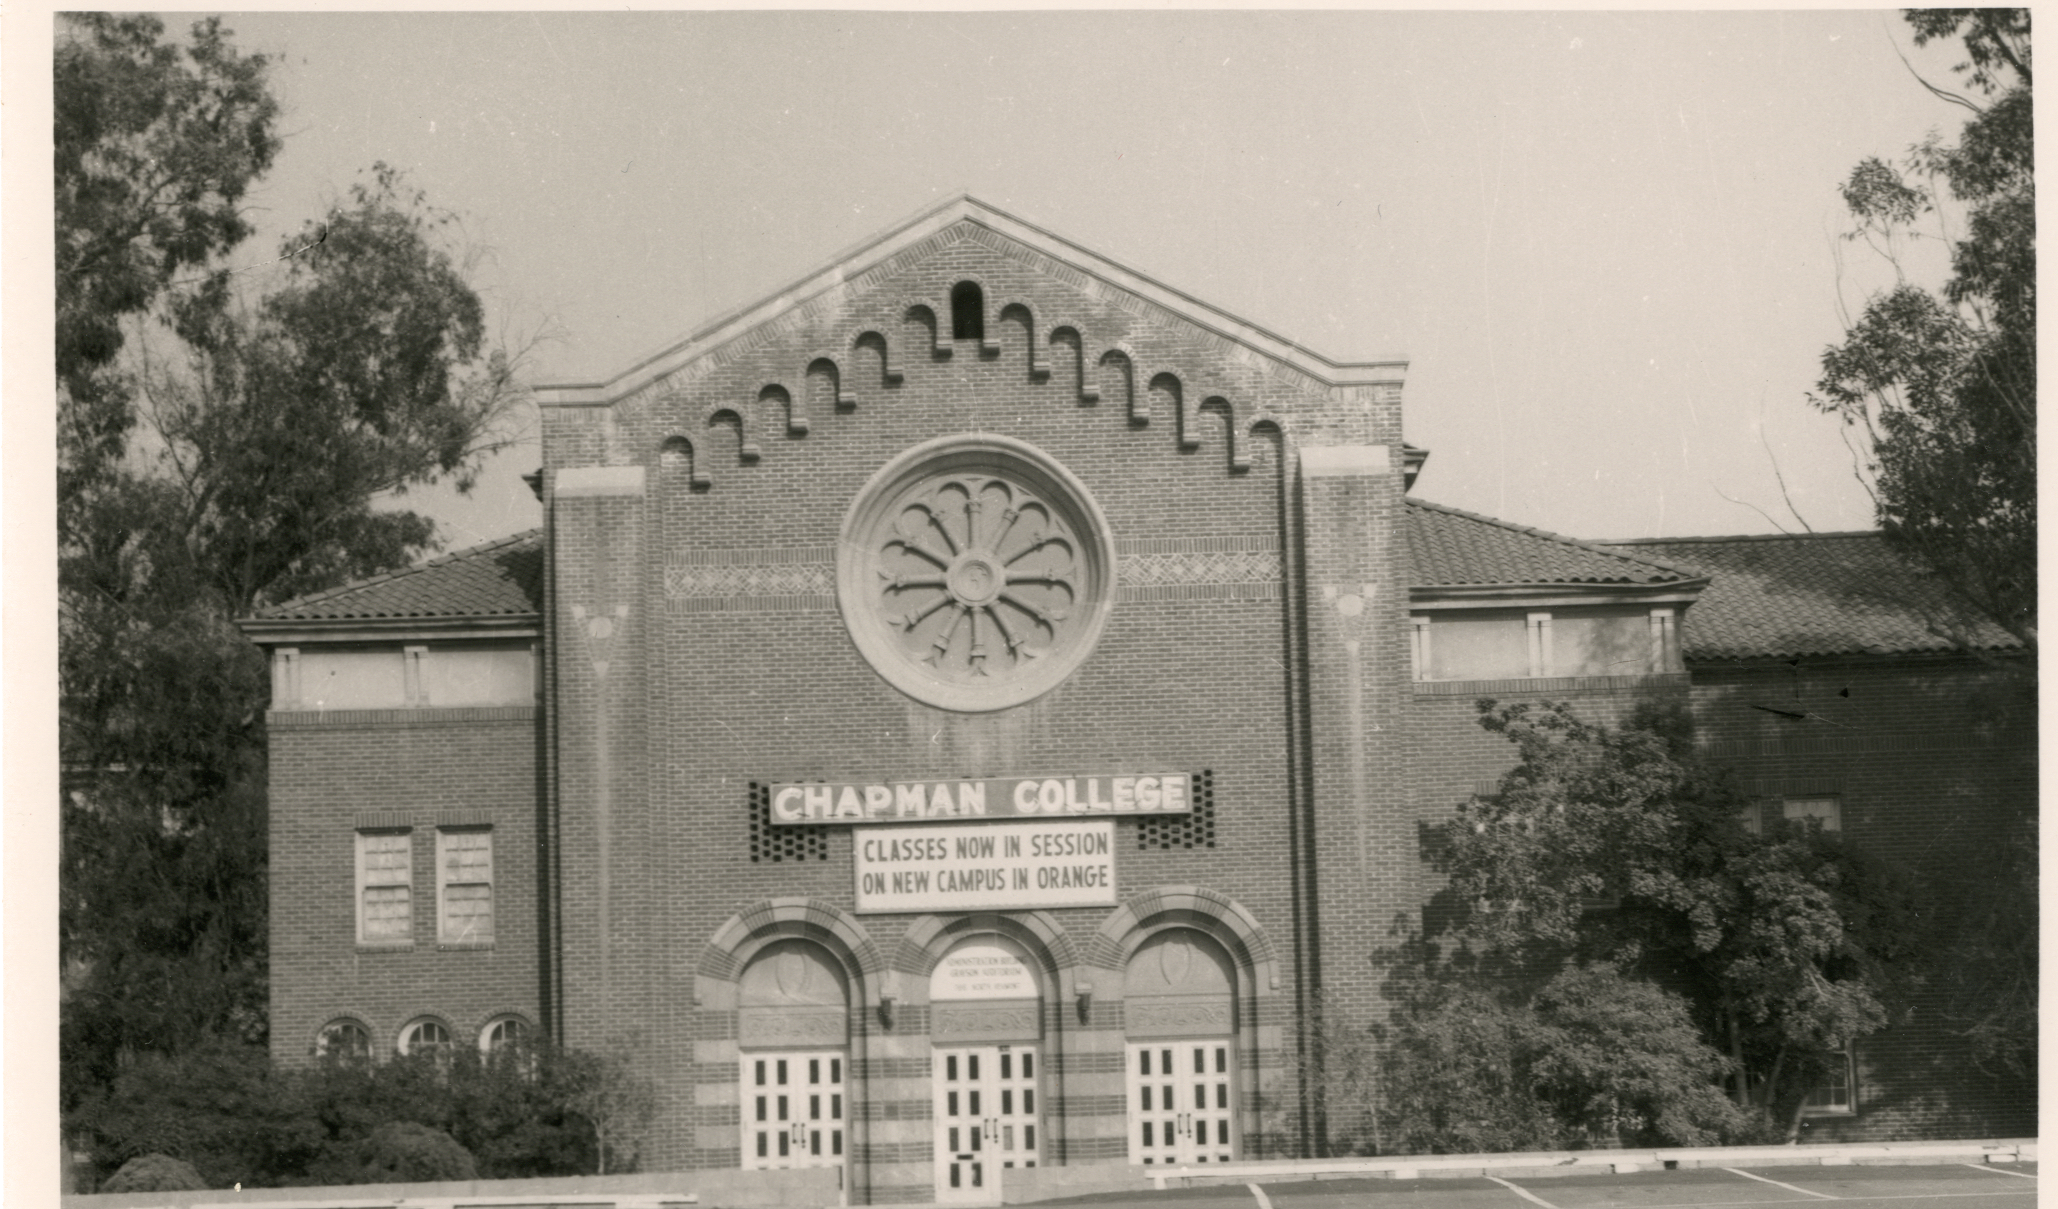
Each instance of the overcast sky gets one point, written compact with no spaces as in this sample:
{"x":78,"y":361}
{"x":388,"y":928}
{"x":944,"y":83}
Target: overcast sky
{"x":1606,"y":241}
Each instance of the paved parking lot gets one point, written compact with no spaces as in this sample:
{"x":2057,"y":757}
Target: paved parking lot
{"x":1945,"y":1186}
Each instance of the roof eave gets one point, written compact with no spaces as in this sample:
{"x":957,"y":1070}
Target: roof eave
{"x":873,"y":251}
{"x":1502,"y":596}
{"x":289,"y":631}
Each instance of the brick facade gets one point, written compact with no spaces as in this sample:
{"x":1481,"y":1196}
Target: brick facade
{"x":697,"y":648}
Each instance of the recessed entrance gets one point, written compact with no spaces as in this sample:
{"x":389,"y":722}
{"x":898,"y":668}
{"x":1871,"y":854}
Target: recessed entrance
{"x":986,"y":1118}
{"x":792,"y":1028}
{"x":1180,"y":1004}
{"x":986,"y":1024}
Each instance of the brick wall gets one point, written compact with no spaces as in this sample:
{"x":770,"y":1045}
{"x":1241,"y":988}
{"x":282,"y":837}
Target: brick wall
{"x":331,"y":773}
{"x":768,"y":686}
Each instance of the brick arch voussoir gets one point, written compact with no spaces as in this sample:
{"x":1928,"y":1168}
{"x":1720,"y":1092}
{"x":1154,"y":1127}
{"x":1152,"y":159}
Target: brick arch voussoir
{"x":1209,"y":911}
{"x":773,"y":919}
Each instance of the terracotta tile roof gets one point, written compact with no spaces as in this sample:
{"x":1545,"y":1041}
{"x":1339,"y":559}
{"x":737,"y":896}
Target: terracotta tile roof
{"x":1806,"y":594}
{"x":1448,"y":547}
{"x":498,"y":579}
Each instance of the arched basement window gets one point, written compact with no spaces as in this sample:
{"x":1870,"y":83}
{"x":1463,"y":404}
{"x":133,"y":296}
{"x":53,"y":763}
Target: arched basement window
{"x":967,"y":312}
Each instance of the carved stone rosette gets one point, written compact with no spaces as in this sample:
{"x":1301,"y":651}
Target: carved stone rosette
{"x":975,"y":572}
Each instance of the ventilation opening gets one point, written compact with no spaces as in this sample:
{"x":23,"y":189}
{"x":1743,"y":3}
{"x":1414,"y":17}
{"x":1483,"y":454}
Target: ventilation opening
{"x":967,"y":312}
{"x":1192,"y":830}
{"x":770,"y":842}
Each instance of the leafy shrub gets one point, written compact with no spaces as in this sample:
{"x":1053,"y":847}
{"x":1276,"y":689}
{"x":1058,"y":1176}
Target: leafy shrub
{"x":398,"y":1152}
{"x":1591,"y":1058}
{"x":155,"y":1173}
{"x":219,"y":1107}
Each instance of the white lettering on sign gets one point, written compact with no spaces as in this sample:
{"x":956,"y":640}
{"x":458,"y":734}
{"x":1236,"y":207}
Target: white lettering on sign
{"x":1069,"y":863}
{"x":981,"y":971}
{"x":800,"y":803}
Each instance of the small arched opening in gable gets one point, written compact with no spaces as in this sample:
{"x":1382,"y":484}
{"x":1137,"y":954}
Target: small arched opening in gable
{"x":967,"y":311}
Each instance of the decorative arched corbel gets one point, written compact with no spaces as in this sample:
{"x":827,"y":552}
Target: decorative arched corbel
{"x":825,"y":385}
{"x":795,"y":405}
{"x":888,"y":376}
{"x":677,"y":454}
{"x":1239,"y":456}
{"x":746,"y":449}
{"x":921,"y":322}
{"x":1069,"y":338}
{"x":1019,"y":313}
{"x":1167,"y":386}
{"x":1118,"y":382}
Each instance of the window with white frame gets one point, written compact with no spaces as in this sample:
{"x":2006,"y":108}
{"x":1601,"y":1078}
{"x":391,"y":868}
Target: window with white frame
{"x":464,"y":886}
{"x":385,"y":887}
{"x":507,"y":1034}
{"x":430,"y":1037}
{"x":1824,"y":812}
{"x":344,"y":1041}
{"x":1835,"y":1095}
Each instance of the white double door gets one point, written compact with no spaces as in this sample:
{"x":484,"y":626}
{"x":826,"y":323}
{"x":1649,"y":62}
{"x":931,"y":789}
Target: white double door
{"x":793,"y":1106}
{"x":1180,"y":1102}
{"x":986,"y":1117}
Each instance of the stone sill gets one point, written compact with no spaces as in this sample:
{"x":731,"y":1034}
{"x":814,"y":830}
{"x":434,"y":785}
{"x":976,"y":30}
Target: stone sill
{"x":1549,"y":684}
{"x":402,"y":716}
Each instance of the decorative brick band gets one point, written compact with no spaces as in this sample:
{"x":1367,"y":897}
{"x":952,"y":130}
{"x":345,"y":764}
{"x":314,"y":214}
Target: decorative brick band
{"x":796,"y":579}
{"x":801,"y":579}
{"x":1157,"y":570}
{"x":385,"y":820}
{"x":458,"y":715}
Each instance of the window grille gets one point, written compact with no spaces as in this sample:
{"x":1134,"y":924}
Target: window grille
{"x":769,"y":842}
{"x":1192,"y":830}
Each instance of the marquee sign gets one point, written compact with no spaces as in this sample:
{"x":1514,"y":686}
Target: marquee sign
{"x":1068,"y":863}
{"x":815,"y":802}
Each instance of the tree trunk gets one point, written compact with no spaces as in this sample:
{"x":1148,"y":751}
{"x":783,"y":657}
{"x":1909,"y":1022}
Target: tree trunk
{"x":1772,"y":1086}
{"x":1793,"y":1125}
{"x":1742,"y":1090}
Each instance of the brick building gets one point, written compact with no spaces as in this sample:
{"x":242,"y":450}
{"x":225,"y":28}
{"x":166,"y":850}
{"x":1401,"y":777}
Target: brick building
{"x":960,"y":712}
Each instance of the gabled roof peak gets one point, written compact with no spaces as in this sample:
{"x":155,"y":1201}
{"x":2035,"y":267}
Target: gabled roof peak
{"x":929,"y":223}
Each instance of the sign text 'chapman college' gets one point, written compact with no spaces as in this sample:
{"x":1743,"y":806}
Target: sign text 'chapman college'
{"x":1068,"y":863}
{"x":1001,"y":797}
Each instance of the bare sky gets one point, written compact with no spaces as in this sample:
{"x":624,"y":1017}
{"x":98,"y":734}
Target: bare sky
{"x":1607,"y":241}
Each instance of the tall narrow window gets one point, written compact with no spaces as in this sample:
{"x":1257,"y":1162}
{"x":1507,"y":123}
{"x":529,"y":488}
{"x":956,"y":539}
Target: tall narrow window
{"x":1664,"y":641}
{"x":1419,"y":648}
{"x":464,"y":886}
{"x":1836,"y":1095}
{"x":412,"y":658}
{"x":967,"y":312}
{"x":385,"y":887}
{"x":1539,"y":644}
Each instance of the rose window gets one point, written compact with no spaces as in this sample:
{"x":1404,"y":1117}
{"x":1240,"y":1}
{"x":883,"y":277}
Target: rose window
{"x":974,"y":572}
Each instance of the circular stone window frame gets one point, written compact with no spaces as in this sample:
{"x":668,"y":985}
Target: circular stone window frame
{"x":873,"y":511}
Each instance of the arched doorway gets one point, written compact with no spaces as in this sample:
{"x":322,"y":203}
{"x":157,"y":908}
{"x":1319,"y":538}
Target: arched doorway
{"x":986,"y":1030}
{"x":1179,"y":1001}
{"x":793,"y":1031}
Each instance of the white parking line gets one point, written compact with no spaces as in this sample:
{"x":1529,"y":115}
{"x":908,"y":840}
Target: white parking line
{"x":2020,"y":1175}
{"x":1776,"y":1184}
{"x":1264,"y":1202}
{"x":1524,"y":1193}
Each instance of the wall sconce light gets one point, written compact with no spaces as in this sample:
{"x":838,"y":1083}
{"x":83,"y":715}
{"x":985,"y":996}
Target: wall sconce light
{"x":1084,"y":991}
{"x":886,"y":1008}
